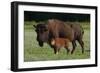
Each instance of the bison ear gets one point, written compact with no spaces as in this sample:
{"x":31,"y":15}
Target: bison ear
{"x":34,"y":26}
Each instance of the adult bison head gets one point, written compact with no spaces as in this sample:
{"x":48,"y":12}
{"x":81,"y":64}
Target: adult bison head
{"x":42,"y":33}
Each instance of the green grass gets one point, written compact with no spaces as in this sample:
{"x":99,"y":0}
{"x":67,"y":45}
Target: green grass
{"x":33,"y":52}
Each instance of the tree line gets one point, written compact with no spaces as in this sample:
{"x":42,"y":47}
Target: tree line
{"x":44,"y":16}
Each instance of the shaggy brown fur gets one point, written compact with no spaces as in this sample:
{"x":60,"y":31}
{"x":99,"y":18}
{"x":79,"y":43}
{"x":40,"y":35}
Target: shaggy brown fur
{"x":55,"y":28}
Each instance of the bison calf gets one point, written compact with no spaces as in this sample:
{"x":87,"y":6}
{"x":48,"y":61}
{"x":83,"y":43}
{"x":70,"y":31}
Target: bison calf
{"x":59,"y":43}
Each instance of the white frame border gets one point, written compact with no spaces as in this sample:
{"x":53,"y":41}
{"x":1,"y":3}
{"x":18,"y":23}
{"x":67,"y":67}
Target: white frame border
{"x":22,"y":64}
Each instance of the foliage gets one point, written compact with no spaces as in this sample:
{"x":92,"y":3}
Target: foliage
{"x":44,"y":16}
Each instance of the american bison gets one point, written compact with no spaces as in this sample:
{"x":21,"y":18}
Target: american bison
{"x":58,"y":43}
{"x":55,"y":28}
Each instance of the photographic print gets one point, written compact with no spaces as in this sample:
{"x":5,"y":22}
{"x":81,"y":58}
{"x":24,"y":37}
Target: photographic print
{"x":43,"y":28}
{"x":53,"y":36}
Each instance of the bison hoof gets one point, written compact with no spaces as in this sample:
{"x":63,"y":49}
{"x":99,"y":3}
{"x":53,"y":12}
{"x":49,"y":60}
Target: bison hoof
{"x":56,"y":53}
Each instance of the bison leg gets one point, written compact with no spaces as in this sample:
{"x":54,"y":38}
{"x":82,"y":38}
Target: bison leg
{"x":56,"y":50}
{"x":67,"y":50}
{"x":82,"y":45}
{"x":74,"y":46}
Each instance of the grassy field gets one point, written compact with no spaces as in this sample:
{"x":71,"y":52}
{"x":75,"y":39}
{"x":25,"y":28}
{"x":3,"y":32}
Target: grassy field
{"x":33,"y":52}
